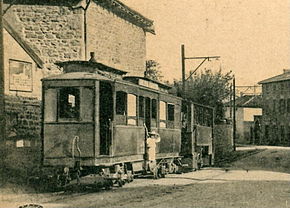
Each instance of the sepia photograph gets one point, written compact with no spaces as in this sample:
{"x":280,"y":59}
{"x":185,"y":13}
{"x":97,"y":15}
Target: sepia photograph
{"x":144,"y":104}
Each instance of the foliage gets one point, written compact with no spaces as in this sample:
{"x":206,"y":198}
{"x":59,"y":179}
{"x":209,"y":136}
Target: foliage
{"x":208,"y":88}
{"x":153,"y":70}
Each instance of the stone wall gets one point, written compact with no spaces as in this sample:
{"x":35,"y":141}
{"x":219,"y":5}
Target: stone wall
{"x":55,"y":32}
{"x":276,"y":113}
{"x":223,"y":139}
{"x":116,"y":42}
{"x":23,"y":120}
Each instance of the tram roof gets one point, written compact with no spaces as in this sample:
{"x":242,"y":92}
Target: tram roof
{"x":92,"y":66}
{"x":77,"y":76}
{"x":135,"y":78}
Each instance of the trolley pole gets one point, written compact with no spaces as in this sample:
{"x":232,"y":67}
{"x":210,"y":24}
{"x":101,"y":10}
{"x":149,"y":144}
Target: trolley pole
{"x":2,"y":97}
{"x":234,"y":114}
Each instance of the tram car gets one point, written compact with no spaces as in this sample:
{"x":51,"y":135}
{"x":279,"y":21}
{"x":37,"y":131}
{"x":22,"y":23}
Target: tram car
{"x":96,"y":121}
{"x":197,"y":145}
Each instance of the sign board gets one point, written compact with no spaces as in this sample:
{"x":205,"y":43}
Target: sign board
{"x":20,"y":76}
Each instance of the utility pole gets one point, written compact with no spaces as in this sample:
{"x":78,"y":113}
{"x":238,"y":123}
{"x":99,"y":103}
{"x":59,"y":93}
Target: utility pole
{"x":234,"y":114}
{"x":2,"y":97}
{"x":231,"y":101}
{"x":183,"y":68}
{"x":183,"y":58}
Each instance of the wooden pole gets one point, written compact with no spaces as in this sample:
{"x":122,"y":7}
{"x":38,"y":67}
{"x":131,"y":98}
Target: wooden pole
{"x":231,"y":102}
{"x":183,"y":69}
{"x":2,"y":97}
{"x":234,"y":114}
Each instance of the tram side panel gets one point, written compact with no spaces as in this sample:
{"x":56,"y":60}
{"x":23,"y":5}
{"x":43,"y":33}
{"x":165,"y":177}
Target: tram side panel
{"x":128,"y":135}
{"x":169,"y":127}
{"x":128,"y":140}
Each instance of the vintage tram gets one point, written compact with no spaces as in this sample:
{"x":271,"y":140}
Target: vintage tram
{"x":96,"y":120}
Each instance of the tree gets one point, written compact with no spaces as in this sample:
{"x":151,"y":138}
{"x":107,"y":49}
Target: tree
{"x":153,"y":70}
{"x":208,"y":88}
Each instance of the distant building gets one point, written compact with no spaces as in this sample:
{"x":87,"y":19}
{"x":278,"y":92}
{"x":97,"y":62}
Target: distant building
{"x":37,"y":34}
{"x":276,"y":109}
{"x":248,"y":113}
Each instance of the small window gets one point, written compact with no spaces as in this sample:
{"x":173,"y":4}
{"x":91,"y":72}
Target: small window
{"x":121,"y":103}
{"x":50,"y":104}
{"x":132,"y":109}
{"x":162,"y":107}
{"x":69,"y":103}
{"x":132,"y":105}
{"x":170,"y":109}
{"x":154,"y":109}
{"x":162,"y":114}
{"x":87,"y":104}
{"x":141,"y":107}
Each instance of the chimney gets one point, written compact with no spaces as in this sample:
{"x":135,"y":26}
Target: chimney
{"x":286,"y":71}
{"x":92,"y":59}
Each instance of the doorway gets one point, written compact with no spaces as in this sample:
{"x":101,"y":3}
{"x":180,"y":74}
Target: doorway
{"x":148,"y":113}
{"x":106,"y":116}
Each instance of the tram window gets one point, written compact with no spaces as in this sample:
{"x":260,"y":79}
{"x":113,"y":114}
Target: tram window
{"x":132,"y":102}
{"x":170,"y":111}
{"x":69,"y":102}
{"x":50,"y":97}
{"x":87,"y":103}
{"x":132,"y":109}
{"x":121,"y":103}
{"x":162,"y":114}
{"x":162,"y":110}
{"x":141,"y":107}
{"x":154,"y":109}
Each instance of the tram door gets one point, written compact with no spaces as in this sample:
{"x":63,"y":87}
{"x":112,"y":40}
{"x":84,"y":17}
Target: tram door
{"x":148,"y":113}
{"x":106,"y":116}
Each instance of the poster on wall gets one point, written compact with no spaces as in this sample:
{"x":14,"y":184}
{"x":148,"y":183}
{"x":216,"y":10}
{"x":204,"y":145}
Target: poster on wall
{"x":20,"y":75}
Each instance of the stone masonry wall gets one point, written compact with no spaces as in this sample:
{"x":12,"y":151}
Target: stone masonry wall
{"x":223,"y":139}
{"x":55,"y":32}
{"x":23,"y":125}
{"x":276,"y":113}
{"x":116,"y":42}
{"x":23,"y":119}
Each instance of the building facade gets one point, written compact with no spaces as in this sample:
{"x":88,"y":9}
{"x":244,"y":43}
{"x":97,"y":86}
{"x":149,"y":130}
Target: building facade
{"x":276,"y":109}
{"x":248,"y":111}
{"x":37,"y":34}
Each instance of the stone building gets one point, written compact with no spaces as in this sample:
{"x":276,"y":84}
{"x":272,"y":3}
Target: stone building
{"x":276,"y":109}
{"x":37,"y":34}
{"x":248,"y":112}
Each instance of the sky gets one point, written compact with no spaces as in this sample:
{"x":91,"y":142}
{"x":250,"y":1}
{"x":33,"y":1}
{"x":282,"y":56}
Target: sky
{"x":251,"y":36}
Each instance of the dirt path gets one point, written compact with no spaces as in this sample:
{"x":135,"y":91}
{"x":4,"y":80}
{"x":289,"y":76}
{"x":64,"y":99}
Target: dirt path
{"x":252,"y":181}
{"x":196,"y":188}
{"x":252,"y":147}
{"x":206,"y":188}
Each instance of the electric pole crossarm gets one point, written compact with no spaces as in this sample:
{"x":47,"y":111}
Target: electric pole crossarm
{"x":183,"y":58}
{"x":203,"y":57}
{"x":195,"y":69}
